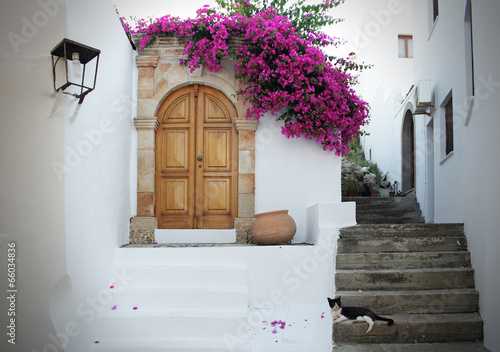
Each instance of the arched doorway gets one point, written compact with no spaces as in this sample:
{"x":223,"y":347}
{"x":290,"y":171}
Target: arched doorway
{"x":408,"y":150}
{"x":196,"y":160}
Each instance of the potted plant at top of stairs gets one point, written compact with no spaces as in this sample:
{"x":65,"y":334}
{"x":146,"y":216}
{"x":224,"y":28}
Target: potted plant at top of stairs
{"x":273,"y":228}
{"x":352,"y":186}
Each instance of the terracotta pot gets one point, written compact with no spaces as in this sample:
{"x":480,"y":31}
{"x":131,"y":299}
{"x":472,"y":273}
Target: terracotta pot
{"x":374,"y":193}
{"x":274,"y":227}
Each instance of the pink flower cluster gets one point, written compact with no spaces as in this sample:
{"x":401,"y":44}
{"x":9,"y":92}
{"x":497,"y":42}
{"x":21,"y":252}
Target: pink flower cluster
{"x":282,"y":71}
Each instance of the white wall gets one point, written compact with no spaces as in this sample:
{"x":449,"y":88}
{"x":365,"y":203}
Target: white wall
{"x":465,"y":185}
{"x":65,"y":194}
{"x":31,"y":196}
{"x":98,"y":187}
{"x":292,"y":174}
{"x":371,"y":29}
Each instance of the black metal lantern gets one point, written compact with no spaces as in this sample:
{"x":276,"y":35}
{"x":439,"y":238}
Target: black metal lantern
{"x":80,"y":55}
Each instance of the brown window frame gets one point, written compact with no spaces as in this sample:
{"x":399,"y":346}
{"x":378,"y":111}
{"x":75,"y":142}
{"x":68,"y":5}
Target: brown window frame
{"x":435,"y":9}
{"x":448,"y":117}
{"x":405,"y":37}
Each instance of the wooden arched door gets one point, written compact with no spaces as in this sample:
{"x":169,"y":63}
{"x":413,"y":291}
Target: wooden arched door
{"x":196,"y":160}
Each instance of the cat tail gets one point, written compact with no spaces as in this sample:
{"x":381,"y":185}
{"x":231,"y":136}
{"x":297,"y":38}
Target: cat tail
{"x":389,"y":321}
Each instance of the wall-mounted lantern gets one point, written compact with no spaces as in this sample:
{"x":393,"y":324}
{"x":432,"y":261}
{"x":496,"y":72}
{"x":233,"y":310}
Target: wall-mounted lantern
{"x":74,"y":82}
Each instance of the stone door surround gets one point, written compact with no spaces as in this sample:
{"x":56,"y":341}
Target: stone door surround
{"x":160,"y":74}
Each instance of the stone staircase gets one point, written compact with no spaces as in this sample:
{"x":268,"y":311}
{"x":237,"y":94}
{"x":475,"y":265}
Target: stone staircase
{"x":417,"y":274}
{"x":169,"y":304}
{"x":386,"y":210}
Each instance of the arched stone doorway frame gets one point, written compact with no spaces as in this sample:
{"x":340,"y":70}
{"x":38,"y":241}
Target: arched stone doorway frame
{"x":160,"y":74}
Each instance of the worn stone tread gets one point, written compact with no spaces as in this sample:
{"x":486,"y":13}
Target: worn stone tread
{"x":412,"y":347}
{"x":464,"y":300}
{"x":403,"y":260}
{"x":407,"y":328}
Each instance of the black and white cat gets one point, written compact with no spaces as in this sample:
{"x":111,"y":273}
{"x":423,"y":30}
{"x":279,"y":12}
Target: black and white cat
{"x":357,"y":314}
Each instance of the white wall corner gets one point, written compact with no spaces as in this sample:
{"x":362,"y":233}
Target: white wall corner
{"x":325,"y":219}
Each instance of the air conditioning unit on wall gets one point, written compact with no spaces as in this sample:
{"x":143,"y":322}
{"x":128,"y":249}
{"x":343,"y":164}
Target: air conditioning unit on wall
{"x":424,"y":98}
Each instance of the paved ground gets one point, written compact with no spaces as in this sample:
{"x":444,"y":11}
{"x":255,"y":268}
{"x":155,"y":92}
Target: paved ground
{"x":420,"y":347}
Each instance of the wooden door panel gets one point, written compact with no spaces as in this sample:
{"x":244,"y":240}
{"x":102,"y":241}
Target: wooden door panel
{"x":175,"y":207}
{"x":179,"y":111}
{"x":217,"y":195}
{"x":176,"y":141}
{"x":176,"y":196}
{"x":217,"y":149}
{"x":214,"y":111}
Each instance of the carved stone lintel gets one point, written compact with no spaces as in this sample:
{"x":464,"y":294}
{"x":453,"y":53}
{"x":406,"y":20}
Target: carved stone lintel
{"x":146,"y":60}
{"x":243,"y":124}
{"x":146,"y":123}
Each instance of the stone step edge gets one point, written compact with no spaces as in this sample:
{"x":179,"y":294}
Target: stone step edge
{"x":370,"y":293}
{"x":403,"y":229}
{"x":408,"y":319}
{"x":403,"y":271}
{"x":461,"y":255}
{"x":411,"y":347}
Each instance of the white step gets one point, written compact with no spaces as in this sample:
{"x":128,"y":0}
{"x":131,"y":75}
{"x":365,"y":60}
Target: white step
{"x":180,"y":298}
{"x":195,"y":236}
{"x":209,"y":256}
{"x":185,"y":276}
{"x":167,"y":345}
{"x":167,"y":324}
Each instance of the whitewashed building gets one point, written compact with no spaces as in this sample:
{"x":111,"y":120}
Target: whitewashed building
{"x":71,"y":183}
{"x":435,"y":100}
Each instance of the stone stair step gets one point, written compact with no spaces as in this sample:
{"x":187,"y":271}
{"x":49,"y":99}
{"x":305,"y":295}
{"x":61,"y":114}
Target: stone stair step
{"x":389,"y":217}
{"x":414,"y":302}
{"x":402,"y":230}
{"x":413,"y":328}
{"x":411,"y":347}
{"x":381,"y":201}
{"x":402,"y":260}
{"x":411,"y":279}
{"x":402,"y":244}
{"x":381,"y":205}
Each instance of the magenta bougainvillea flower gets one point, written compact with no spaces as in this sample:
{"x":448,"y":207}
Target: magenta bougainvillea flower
{"x":283,"y":71}
{"x":114,"y":307}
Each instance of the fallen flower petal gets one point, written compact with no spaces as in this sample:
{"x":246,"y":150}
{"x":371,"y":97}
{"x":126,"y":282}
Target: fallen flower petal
{"x":114,"y":307}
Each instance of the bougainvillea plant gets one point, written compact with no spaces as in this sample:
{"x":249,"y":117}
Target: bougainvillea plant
{"x":280,"y":59}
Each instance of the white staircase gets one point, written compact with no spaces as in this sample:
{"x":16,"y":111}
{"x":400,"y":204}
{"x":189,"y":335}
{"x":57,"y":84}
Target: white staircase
{"x":167,"y":301}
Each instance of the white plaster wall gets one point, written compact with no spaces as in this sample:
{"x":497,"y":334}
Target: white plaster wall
{"x":292,"y":174}
{"x":65,"y":191}
{"x":465,"y":186}
{"x":98,"y":182}
{"x":31,"y":196}
{"x":371,"y":29}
